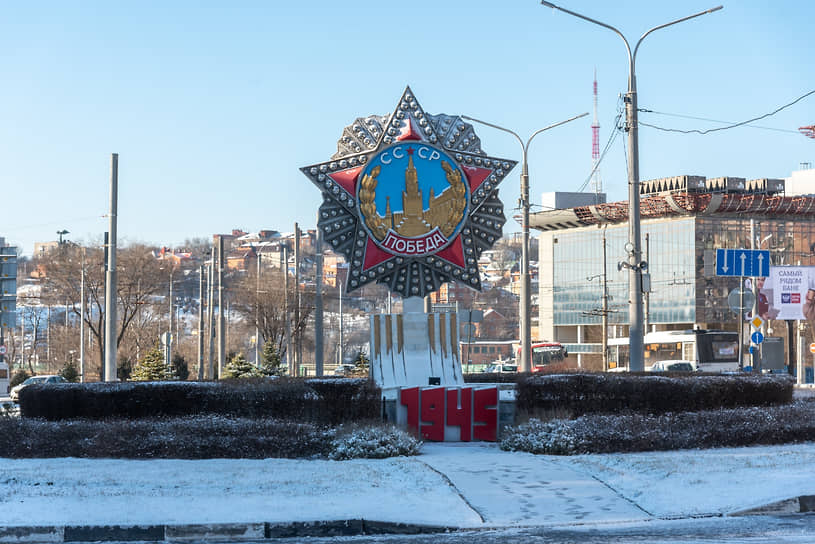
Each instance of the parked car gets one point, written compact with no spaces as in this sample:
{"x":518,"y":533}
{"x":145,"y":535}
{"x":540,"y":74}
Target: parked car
{"x":46,"y":378}
{"x":501,"y":367}
{"x":672,"y":366}
{"x":344,"y":369}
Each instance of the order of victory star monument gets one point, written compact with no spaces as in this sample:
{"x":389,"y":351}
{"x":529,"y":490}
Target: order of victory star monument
{"x":411,"y":200}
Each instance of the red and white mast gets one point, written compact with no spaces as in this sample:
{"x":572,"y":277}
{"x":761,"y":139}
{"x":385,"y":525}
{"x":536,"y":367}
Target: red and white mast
{"x":596,"y":180}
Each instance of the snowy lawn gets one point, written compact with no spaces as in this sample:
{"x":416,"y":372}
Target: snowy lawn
{"x":466,"y":485}
{"x":110,"y":491}
{"x":713,"y":481}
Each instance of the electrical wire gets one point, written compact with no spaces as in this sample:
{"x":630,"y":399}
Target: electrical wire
{"x":733,"y":125}
{"x":716,"y":121}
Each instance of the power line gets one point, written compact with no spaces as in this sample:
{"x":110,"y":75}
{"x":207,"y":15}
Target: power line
{"x":734,"y":125}
{"x":714,"y":120}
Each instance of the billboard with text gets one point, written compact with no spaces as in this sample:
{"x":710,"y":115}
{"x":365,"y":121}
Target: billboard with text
{"x":788,"y":293}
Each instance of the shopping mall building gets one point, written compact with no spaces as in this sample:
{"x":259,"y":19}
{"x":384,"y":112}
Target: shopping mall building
{"x":684,"y":220}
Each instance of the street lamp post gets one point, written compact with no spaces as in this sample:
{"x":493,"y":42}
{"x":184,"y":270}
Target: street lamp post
{"x":634,"y":246}
{"x":525,"y":328}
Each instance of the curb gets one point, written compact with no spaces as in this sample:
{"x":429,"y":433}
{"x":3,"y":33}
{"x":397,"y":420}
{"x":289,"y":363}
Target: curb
{"x":796,"y":505}
{"x":232,"y":532}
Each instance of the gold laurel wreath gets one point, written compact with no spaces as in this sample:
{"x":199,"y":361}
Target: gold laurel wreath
{"x":367,"y":194}
{"x":458,"y":202}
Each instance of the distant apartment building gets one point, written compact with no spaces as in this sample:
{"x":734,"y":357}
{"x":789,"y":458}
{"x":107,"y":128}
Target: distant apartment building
{"x":453,"y":293}
{"x":474,"y":354}
{"x":41,"y":248}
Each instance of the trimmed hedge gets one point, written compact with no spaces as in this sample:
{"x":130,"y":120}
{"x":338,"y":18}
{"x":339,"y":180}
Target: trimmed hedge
{"x":320,"y":401}
{"x":197,"y":437}
{"x":572,"y":395}
{"x":494,"y":377}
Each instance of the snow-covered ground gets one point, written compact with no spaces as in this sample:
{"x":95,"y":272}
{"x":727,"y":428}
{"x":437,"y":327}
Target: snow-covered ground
{"x":694,"y":482}
{"x":464,"y":485}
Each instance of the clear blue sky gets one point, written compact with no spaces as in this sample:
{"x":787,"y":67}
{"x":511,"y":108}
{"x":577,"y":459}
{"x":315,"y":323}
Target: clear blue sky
{"x":213,"y":106}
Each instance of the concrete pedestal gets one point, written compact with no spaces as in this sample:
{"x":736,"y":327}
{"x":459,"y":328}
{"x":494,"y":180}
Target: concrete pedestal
{"x":415,"y":348}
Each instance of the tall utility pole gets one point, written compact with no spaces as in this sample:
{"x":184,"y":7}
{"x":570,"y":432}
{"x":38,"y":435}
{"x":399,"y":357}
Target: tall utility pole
{"x":169,"y":361}
{"x":110,"y":275}
{"x":211,"y":314}
{"x":340,"y":346}
{"x":105,"y":249}
{"x":604,"y":320}
{"x":201,"y":322}
{"x":298,"y":344}
{"x":755,"y":361}
{"x":635,"y":264}
{"x":82,"y":320}
{"x":318,"y":305}
{"x":284,"y":267}
{"x":221,"y":322}
{"x":525,"y":328}
{"x":257,"y":314}
{"x":646,"y":295}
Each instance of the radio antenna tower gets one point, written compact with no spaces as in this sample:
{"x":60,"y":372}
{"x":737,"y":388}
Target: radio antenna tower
{"x":596,"y":180}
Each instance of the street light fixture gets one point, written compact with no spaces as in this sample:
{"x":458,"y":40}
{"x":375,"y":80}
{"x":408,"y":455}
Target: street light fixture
{"x":635,"y":311}
{"x":525,"y":328}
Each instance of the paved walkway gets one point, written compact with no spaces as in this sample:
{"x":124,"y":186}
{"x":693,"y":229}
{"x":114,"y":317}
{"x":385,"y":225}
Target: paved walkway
{"x":517,"y":489}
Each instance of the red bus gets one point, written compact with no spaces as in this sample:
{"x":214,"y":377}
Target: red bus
{"x":543,"y":354}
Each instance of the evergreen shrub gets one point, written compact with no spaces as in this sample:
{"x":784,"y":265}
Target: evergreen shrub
{"x":18,"y":377}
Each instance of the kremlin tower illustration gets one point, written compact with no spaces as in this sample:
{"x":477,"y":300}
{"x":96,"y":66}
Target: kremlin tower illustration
{"x":414,"y":220}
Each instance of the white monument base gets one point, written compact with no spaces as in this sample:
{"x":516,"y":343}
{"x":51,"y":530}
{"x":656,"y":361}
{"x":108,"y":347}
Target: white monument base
{"x":414,"y":348}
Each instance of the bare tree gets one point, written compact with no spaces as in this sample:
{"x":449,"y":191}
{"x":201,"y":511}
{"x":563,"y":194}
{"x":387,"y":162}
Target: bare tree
{"x":139,"y":279}
{"x":262,"y":305}
{"x":198,"y":246}
{"x":31,"y":318}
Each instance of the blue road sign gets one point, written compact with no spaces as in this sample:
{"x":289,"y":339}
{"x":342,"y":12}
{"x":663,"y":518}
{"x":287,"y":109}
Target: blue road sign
{"x":757,"y":337}
{"x":743,"y":262}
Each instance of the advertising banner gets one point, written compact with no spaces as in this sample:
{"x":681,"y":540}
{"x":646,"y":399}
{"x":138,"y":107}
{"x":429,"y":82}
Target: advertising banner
{"x":788,"y":293}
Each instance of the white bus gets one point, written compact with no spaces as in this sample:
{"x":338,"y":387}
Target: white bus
{"x":4,"y":379}
{"x":707,"y":351}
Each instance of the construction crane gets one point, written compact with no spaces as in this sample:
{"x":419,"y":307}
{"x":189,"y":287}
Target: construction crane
{"x":809,"y":131}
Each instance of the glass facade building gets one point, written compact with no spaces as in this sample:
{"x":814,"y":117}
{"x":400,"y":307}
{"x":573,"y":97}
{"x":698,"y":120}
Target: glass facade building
{"x":679,"y":248}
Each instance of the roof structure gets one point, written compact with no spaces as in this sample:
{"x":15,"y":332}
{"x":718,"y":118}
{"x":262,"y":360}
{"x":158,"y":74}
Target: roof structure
{"x":678,"y":200}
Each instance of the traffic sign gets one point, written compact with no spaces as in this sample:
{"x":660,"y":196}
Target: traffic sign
{"x":740,"y":299}
{"x":812,"y":348}
{"x":2,"y":350}
{"x":757,"y":337}
{"x":757,"y":322}
{"x":743,"y":262}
